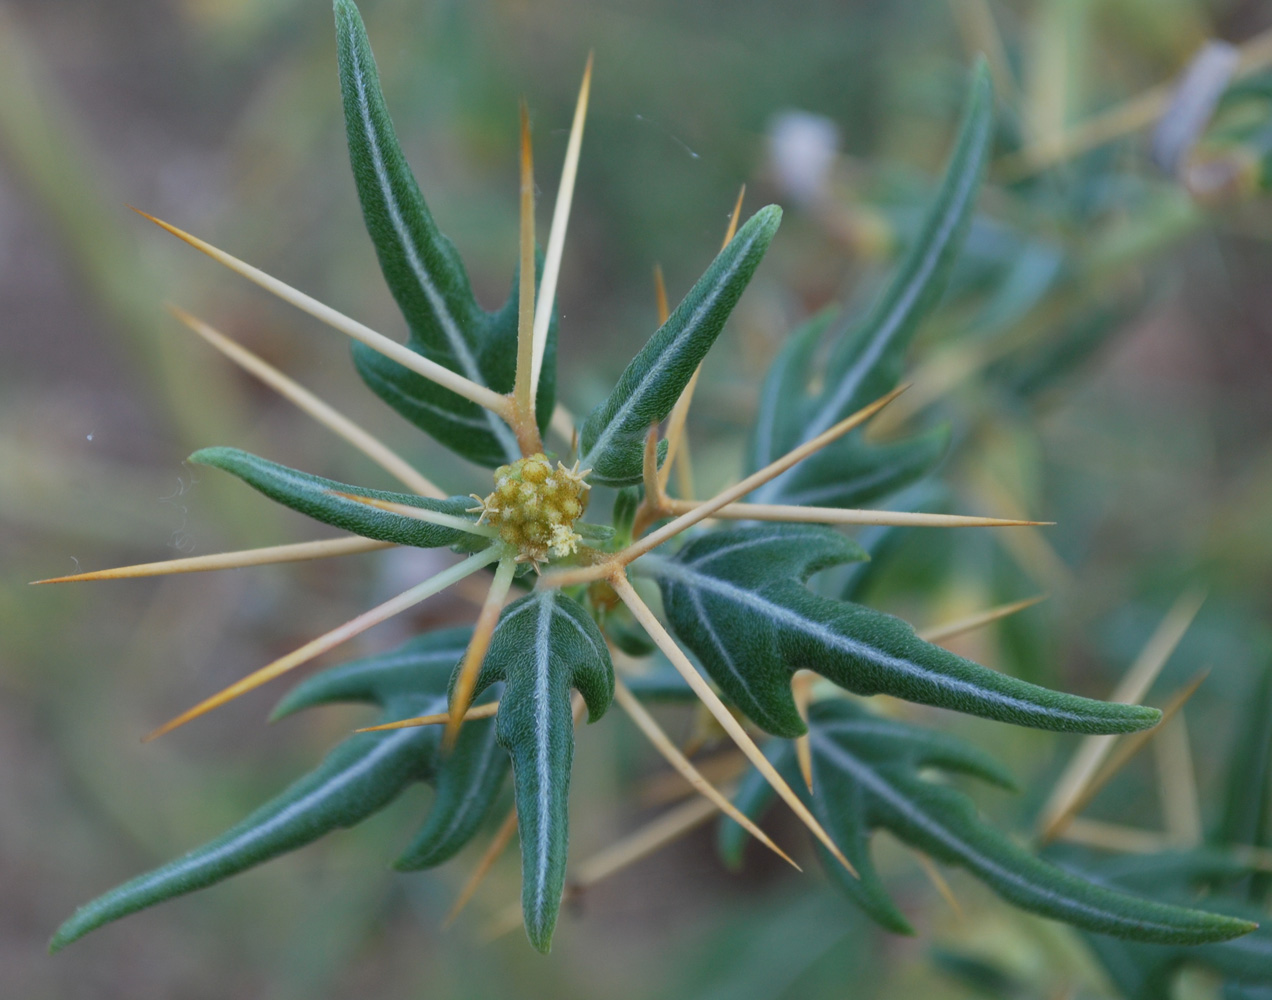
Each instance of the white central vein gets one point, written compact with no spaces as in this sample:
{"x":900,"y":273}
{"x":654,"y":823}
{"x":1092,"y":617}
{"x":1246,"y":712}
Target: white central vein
{"x":617,"y":423}
{"x":866,"y":776}
{"x":791,"y":619}
{"x":450,"y":328}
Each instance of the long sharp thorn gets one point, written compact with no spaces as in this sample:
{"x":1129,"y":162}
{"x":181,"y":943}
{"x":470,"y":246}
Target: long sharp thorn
{"x":268,"y":556}
{"x":494,"y":849}
{"x":523,"y":388}
{"x":846,"y":515}
{"x":663,"y":744}
{"x":1177,"y":782}
{"x":949,"y":630}
{"x":328,"y":416}
{"x":1139,"y":678}
{"x":475,"y":655}
{"x":330,"y":640}
{"x":1122,"y":753}
{"x":708,"y":508}
{"x":662,"y":638}
{"x":677,"y":441}
{"x":476,"y":712}
{"x":556,"y":235}
{"x":420,"y":514}
{"x":390,"y":348}
{"x":941,"y":884}
{"x":802,"y":690}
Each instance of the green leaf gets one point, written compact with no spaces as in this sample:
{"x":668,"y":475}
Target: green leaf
{"x":313,"y":496}
{"x":852,"y":473}
{"x":613,"y":437}
{"x":427,"y":278}
{"x":866,"y":772}
{"x":544,"y":645}
{"x":867,"y":361}
{"x":737,"y":599}
{"x":359,"y":777}
{"x":1146,"y":971}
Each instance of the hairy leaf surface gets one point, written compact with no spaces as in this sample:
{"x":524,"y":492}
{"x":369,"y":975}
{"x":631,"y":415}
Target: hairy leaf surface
{"x":427,"y":278}
{"x":544,"y":645}
{"x":737,"y":599}
{"x":314,"y":496}
{"x":613,"y":438}
{"x":358,"y":778}
{"x":867,"y":775}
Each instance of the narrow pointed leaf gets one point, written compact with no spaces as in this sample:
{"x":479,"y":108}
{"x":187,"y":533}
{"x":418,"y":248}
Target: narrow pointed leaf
{"x":427,"y":278}
{"x":867,"y":360}
{"x":852,"y":473}
{"x":1146,"y":972}
{"x":613,"y":437}
{"x":316,"y":497}
{"x":358,"y":778}
{"x":544,"y":645}
{"x":737,"y":599}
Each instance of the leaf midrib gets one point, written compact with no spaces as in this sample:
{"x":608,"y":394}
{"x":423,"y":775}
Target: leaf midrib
{"x":450,"y":328}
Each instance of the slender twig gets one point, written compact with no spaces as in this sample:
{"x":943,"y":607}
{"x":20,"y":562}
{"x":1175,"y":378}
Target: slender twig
{"x":662,"y":638}
{"x":456,"y":383}
{"x":437,"y":719}
{"x":523,"y":409}
{"x":1070,"y":787}
{"x":466,"y":679}
{"x":335,"y":637}
{"x":556,"y":235}
{"x":629,"y":703}
{"x":325,"y":414}
{"x":269,"y":556}
{"x":1133,"y":840}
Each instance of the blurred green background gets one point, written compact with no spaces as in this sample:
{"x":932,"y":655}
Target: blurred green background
{"x":223,"y":116}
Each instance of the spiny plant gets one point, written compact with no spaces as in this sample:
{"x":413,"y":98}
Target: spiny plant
{"x":460,"y":707}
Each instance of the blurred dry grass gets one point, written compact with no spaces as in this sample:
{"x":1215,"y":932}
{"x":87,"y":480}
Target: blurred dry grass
{"x":222,"y":115}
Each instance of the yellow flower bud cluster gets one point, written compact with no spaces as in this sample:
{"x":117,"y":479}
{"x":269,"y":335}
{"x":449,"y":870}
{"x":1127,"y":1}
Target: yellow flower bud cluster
{"x":534,"y":506}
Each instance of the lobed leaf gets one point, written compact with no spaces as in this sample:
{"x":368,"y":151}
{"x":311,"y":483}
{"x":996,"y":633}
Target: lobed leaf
{"x":544,"y":645}
{"x":737,"y":599}
{"x":867,"y":769}
{"x":358,"y":778}
{"x":867,"y":361}
{"x":317,"y":498}
{"x":427,"y":278}
{"x":613,"y":438}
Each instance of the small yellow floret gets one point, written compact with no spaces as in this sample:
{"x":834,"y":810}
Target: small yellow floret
{"x":535,"y":506}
